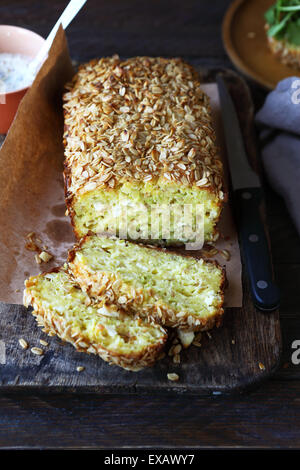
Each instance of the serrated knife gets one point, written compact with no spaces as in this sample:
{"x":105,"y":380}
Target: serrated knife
{"x":248,"y":197}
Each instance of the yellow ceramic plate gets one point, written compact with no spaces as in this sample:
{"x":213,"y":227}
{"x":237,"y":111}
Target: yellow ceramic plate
{"x":246,"y":43}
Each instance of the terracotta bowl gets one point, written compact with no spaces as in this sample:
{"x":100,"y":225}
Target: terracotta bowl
{"x":17,"y":41}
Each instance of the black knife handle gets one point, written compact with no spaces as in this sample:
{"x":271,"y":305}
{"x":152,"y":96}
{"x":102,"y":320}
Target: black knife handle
{"x":255,"y":248}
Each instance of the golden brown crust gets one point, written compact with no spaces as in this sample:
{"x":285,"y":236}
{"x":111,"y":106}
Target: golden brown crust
{"x":54,"y":325}
{"x":112,"y":137}
{"x":96,"y":284}
{"x":174,"y":141}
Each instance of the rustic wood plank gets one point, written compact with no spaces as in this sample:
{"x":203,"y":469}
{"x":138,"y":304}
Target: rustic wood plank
{"x":218,"y":366}
{"x":268,"y":417}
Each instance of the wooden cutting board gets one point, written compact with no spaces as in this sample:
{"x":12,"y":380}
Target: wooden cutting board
{"x":240,"y":354}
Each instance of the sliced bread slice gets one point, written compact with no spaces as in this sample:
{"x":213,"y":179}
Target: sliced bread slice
{"x":178,"y":291}
{"x":61,"y":307}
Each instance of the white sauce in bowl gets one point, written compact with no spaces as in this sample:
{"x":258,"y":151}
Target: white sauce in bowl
{"x":15,"y":72}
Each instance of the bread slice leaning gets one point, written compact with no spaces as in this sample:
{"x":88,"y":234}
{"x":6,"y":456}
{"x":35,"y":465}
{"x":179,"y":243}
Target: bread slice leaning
{"x":177,"y":291}
{"x":118,"y":338}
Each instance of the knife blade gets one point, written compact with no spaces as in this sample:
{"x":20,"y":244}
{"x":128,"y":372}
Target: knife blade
{"x":248,"y":198}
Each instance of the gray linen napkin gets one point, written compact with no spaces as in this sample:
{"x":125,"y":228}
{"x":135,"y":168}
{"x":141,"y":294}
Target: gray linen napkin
{"x":281,"y":153}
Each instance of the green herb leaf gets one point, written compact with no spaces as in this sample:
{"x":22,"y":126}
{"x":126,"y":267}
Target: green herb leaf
{"x":283,"y":19}
{"x":276,"y":28}
{"x":292,"y":8}
{"x":270,"y":15}
{"x":292,"y":34}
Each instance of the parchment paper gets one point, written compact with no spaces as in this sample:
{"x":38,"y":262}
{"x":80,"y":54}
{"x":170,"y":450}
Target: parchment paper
{"x":31,"y":183}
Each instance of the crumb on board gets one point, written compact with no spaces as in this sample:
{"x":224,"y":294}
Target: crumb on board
{"x":37,"y":259}
{"x":173,"y":377}
{"x":41,"y":256}
{"x":23,"y":343}
{"x":43,"y":342}
{"x":174,"y":352}
{"x":210,"y":250}
{"x":261,"y":366}
{"x":30,"y":235}
{"x":45,"y":256}
{"x":80,"y":368}
{"x":31,"y":244}
{"x":177,"y":349}
{"x":176,"y":358}
{"x":197,"y":340}
{"x":186,"y":337}
{"x":37,"y":351}
{"x":225,"y":254}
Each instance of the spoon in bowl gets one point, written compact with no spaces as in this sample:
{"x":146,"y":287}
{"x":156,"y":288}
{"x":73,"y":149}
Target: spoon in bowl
{"x":65,"y":19}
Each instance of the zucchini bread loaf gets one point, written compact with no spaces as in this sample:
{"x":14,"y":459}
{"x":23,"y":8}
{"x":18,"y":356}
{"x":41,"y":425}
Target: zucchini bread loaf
{"x":138,"y":140}
{"x":177,"y":291}
{"x":61,"y":307}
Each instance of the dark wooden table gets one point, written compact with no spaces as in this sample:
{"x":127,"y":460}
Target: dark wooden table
{"x":266,"y":417}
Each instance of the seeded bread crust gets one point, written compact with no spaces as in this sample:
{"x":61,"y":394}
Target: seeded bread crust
{"x":143,"y":119}
{"x":54,"y":325}
{"x":98,"y":283}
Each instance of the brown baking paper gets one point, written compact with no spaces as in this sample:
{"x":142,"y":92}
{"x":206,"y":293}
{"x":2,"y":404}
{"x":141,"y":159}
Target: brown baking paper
{"x":32,"y":195}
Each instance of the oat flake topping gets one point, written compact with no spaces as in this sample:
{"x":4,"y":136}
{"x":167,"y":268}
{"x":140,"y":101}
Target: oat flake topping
{"x":140,"y":119}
